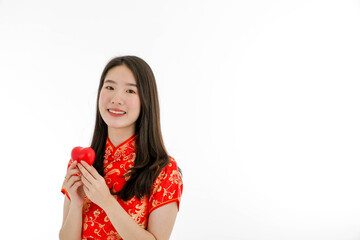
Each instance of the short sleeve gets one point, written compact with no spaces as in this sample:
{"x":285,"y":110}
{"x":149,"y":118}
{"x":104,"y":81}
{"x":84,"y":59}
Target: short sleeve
{"x":167,"y":187}
{"x":62,"y":188}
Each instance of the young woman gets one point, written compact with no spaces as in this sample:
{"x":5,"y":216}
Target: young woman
{"x":134,"y":187}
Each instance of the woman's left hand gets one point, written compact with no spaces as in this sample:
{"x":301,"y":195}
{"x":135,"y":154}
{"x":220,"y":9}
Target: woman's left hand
{"x":94,"y":184}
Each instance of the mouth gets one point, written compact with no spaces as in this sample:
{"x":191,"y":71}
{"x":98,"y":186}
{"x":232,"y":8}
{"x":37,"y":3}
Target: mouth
{"x":116,"y":112}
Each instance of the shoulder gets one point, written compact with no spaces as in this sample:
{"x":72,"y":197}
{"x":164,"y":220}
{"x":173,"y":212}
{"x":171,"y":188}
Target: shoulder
{"x":172,"y":163}
{"x":167,"y":187}
{"x":170,"y":174}
{"x":170,"y":170}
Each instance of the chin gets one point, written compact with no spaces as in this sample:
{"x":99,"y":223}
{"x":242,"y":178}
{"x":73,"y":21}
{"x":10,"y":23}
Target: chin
{"x":119,"y":126}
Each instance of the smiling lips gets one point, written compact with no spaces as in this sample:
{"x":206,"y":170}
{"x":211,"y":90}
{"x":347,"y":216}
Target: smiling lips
{"x":116,"y":112}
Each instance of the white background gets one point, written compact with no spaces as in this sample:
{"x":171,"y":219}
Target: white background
{"x":259,"y":106}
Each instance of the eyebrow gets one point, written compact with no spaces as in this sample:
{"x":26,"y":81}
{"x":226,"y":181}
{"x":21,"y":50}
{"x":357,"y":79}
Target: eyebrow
{"x":112,"y":81}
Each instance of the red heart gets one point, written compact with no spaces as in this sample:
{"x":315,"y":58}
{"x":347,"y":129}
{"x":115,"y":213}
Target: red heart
{"x":86,"y":154}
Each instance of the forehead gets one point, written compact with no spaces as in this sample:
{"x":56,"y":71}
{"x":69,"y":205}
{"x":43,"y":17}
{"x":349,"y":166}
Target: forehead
{"x":120,"y":75}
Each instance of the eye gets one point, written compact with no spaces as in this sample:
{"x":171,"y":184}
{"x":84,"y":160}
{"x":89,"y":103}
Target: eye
{"x":131,"y":91}
{"x":109,"y":87}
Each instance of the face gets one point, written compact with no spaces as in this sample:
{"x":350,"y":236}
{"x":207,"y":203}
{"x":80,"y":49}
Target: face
{"x":119,"y":101}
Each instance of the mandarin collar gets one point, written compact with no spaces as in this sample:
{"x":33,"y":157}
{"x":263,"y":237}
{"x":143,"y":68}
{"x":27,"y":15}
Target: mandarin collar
{"x":125,"y":148}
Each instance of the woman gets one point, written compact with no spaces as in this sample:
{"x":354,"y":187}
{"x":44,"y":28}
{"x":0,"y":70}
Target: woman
{"x":134,"y":187}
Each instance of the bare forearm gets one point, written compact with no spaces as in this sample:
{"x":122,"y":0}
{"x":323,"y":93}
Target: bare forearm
{"x":123,"y":223}
{"x":72,"y":228}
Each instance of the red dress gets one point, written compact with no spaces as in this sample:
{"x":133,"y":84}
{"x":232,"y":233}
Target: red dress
{"x":167,"y":188}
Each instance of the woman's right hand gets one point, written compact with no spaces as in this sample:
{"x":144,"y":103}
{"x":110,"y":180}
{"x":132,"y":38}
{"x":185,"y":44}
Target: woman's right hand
{"x":74,"y":186}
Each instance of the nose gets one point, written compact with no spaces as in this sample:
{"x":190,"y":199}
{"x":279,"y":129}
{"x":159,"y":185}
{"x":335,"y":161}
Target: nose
{"x":118,"y":98}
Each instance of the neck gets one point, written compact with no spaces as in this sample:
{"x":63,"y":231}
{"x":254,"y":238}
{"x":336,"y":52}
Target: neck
{"x":118,"y":136}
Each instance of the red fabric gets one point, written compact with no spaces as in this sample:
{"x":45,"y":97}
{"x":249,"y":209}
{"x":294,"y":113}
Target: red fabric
{"x":167,"y":188}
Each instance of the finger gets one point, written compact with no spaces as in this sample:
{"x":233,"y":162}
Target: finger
{"x":74,"y":188}
{"x":85,"y":173}
{"x":77,"y":185}
{"x":73,"y":165}
{"x":86,"y":190}
{"x":90,"y":169}
{"x":69,"y":174}
{"x":72,"y":180}
{"x":72,"y":172}
{"x":71,"y":168}
{"x":85,"y":182}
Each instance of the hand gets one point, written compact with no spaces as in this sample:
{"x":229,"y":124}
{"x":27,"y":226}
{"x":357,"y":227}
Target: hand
{"x":74,"y":186}
{"x":95,"y":186}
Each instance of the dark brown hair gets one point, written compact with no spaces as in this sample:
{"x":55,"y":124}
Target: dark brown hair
{"x":151,"y":155}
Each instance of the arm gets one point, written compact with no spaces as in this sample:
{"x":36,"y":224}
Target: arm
{"x":72,"y":222}
{"x":71,"y":228}
{"x":162,"y":220}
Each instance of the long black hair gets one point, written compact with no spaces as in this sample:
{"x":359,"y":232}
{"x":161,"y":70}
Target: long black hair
{"x":151,"y":155}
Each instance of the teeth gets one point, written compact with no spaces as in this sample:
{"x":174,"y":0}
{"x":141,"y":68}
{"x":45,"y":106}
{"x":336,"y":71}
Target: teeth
{"x":116,"y":112}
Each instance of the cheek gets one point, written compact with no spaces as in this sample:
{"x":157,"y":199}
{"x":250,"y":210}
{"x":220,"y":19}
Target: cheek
{"x":134,"y":103}
{"x":102,"y":104}
{"x":102,"y":98}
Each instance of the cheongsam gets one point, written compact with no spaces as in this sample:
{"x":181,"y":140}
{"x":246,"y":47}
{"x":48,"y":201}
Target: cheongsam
{"x":166,"y":188}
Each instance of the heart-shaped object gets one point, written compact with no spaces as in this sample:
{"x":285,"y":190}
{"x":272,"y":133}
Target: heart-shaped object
{"x":85,"y":154}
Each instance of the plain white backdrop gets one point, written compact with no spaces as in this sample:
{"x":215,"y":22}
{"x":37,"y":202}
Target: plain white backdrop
{"x":259,"y":106}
